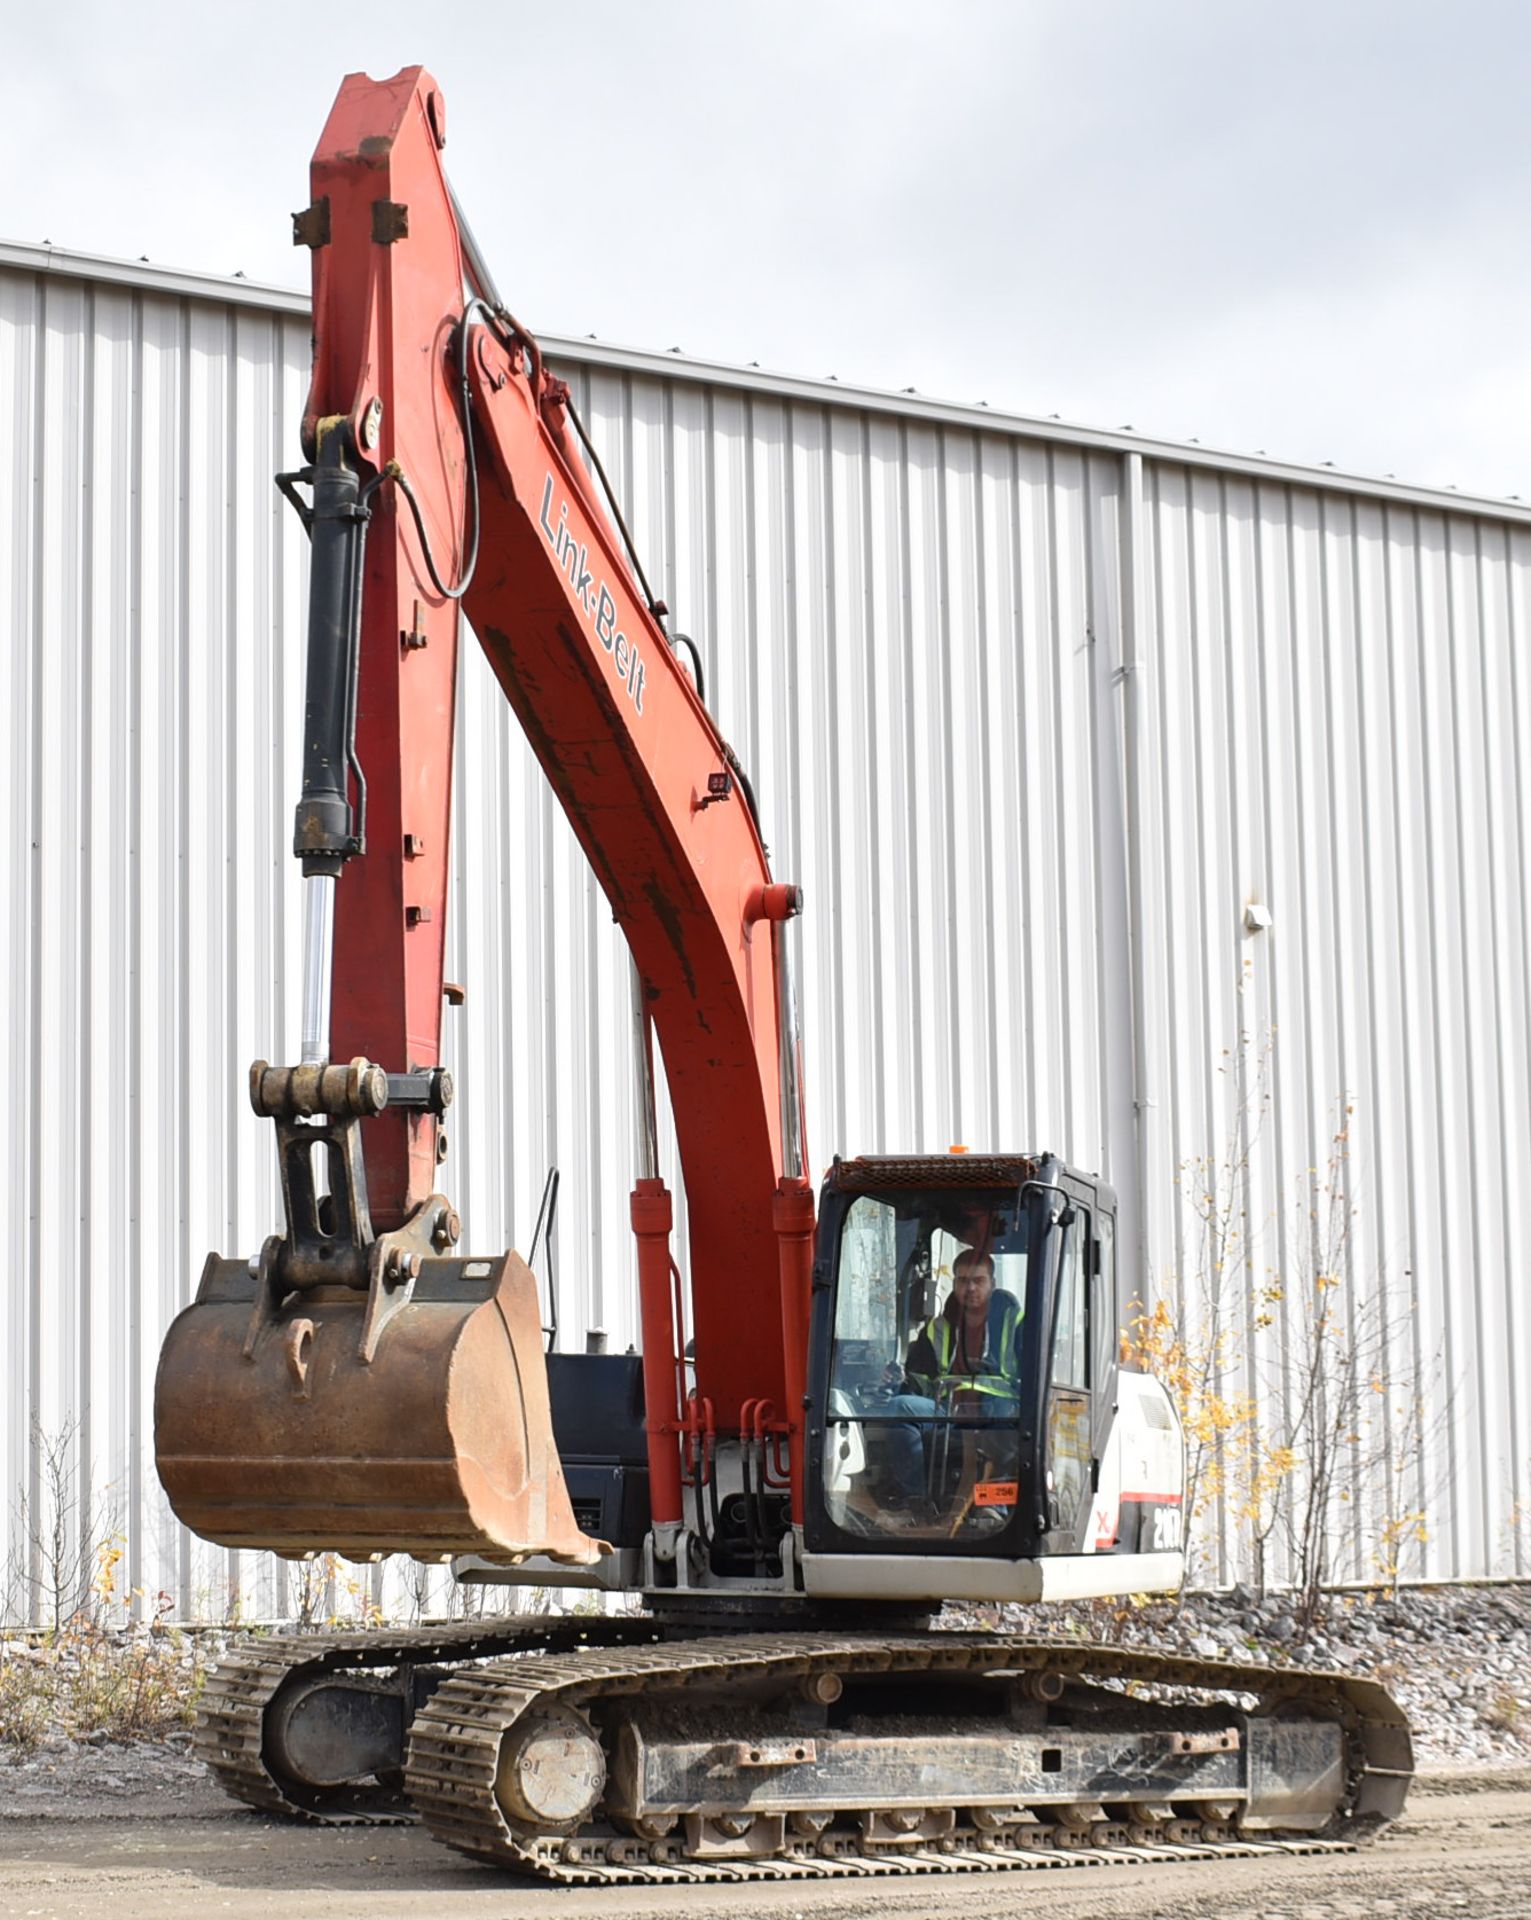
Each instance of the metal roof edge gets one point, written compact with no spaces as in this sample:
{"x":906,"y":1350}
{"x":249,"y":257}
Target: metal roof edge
{"x":973,"y":417}
{"x":225,"y":289}
{"x":978,"y":417}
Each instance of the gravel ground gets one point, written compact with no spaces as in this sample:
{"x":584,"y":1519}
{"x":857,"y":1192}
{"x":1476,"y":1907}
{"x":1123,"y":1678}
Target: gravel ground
{"x":1456,"y":1857}
{"x":1457,"y":1659}
{"x":140,"y":1830}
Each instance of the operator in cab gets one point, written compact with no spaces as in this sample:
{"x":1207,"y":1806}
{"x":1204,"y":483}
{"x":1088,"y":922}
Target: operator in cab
{"x":964,"y":1363}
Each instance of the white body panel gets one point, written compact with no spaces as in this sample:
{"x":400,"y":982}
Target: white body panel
{"x":1142,"y":1467}
{"x":1071,"y":1576}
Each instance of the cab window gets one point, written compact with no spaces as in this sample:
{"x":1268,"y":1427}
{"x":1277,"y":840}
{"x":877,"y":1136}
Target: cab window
{"x":921,"y":1439}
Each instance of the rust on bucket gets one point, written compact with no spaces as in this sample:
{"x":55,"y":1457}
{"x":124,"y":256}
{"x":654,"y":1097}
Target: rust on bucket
{"x":293,"y":1426}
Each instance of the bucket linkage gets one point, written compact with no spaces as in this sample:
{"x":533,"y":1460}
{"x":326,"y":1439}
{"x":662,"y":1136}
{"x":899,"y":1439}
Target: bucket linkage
{"x":356,"y":1392}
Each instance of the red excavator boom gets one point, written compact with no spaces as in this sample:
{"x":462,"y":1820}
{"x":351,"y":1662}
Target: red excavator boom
{"x":450,"y":448}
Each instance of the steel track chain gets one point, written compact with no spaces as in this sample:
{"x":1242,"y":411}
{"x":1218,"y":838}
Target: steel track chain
{"x":230,"y":1732}
{"x":455,"y":1740}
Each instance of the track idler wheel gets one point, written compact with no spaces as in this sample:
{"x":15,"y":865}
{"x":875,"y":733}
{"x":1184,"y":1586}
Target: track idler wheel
{"x":551,"y":1771}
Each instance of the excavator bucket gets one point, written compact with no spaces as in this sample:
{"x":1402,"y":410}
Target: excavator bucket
{"x":321,"y":1424}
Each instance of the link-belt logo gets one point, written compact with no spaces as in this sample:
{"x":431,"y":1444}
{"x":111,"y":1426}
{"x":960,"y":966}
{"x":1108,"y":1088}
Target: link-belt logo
{"x":594,"y":596}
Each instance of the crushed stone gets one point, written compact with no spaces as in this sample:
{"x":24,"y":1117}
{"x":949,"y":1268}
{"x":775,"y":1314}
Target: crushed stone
{"x":1456,"y":1659}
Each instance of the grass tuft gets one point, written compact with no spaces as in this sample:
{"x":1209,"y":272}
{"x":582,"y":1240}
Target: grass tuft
{"x":137,"y":1683}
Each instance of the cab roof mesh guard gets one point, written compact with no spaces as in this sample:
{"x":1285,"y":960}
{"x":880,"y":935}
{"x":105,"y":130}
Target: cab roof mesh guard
{"x":876,"y":1173}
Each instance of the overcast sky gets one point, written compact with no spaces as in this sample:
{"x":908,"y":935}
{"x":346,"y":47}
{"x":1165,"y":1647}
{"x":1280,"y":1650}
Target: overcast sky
{"x":1298,"y":227}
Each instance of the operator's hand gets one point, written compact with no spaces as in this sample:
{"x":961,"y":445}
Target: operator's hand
{"x":893,"y":1376}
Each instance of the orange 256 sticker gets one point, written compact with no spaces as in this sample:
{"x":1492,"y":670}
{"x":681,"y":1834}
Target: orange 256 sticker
{"x":995,"y":1493}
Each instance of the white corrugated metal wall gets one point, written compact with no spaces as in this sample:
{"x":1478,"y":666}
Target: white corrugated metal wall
{"x":1008,"y":693}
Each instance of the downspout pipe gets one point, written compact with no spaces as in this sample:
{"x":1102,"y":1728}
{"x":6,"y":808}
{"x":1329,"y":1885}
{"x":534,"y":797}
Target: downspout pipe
{"x":1129,"y":672}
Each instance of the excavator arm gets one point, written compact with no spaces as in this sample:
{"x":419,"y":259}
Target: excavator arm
{"x":444,"y":474}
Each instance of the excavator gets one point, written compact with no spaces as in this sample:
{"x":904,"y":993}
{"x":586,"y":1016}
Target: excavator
{"x":907,"y":1390}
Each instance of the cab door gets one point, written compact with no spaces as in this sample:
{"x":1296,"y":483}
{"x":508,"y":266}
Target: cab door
{"x":1068,"y":1467}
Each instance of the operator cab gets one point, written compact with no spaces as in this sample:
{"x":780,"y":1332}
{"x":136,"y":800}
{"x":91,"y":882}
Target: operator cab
{"x":966,"y":1330}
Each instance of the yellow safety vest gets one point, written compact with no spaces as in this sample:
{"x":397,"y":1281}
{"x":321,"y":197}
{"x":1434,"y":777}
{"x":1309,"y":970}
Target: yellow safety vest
{"x":942,"y":1335}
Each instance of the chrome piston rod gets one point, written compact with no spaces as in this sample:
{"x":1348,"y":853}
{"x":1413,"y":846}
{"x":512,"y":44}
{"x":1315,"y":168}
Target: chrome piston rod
{"x":318,"y":965}
{"x":645,"y":1120}
{"x":790,"y":1092}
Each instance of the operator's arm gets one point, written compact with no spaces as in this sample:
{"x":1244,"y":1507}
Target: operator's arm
{"x":922,"y":1367}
